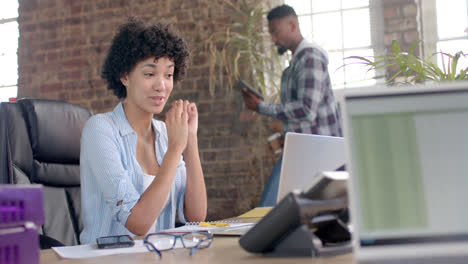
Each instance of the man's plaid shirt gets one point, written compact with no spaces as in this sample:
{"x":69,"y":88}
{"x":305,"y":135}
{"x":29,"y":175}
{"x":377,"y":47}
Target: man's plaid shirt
{"x":307,"y":101}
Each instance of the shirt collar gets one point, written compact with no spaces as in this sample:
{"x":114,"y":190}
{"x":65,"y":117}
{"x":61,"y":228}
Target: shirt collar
{"x":122,"y":121}
{"x":307,"y":44}
{"x":124,"y":125}
{"x":302,"y":45}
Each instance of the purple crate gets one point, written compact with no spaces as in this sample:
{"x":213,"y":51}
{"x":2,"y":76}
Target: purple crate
{"x":19,"y":245}
{"x":20,"y":204}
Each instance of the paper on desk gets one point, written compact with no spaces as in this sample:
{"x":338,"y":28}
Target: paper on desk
{"x":256,"y":212}
{"x":91,"y":250}
{"x":233,"y":229}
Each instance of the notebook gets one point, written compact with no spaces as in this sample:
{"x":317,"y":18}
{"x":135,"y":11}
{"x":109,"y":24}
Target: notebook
{"x":407,"y":152}
{"x":304,"y":157}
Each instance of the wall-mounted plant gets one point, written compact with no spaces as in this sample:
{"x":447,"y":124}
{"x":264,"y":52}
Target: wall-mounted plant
{"x":412,"y":68}
{"x":242,"y":50}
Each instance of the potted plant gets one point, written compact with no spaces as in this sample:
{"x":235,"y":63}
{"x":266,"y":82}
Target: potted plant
{"x":411,"y":68}
{"x":243,"y":51}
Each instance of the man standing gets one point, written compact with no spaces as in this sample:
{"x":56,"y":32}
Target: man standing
{"x":307,"y":101}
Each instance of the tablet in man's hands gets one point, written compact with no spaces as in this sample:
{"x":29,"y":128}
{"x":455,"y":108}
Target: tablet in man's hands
{"x":242,"y":84}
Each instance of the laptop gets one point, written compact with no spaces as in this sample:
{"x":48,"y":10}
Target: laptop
{"x":304,"y":157}
{"x":407,"y":158}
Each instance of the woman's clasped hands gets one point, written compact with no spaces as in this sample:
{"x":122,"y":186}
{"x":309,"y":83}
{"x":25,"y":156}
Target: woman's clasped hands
{"x":182,"y":124}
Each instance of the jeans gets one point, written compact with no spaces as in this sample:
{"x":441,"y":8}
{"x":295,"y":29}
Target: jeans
{"x":270,"y":190}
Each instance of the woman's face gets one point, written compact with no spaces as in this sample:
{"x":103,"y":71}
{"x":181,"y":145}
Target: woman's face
{"x":149,"y":84}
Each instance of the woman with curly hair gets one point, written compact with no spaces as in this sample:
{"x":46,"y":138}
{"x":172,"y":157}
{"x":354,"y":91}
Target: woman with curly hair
{"x":137,"y":173}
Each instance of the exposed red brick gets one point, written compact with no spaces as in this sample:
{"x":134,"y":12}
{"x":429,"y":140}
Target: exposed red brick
{"x":72,"y":63}
{"x":76,"y":10}
{"x":50,"y":25}
{"x":52,"y":87}
{"x":60,"y":58}
{"x":403,"y":26}
{"x":52,"y":56}
{"x":183,"y":16}
{"x":51,"y":45}
{"x":88,"y":94}
{"x":391,"y":12}
{"x":28,"y":27}
{"x":224,"y":155}
{"x":27,"y":69}
{"x":411,"y":37}
{"x":65,"y":96}
{"x":204,"y":107}
{"x":73,"y":20}
{"x":209,"y":156}
{"x":76,"y":85}
{"x":28,"y":6}
{"x":74,"y":75}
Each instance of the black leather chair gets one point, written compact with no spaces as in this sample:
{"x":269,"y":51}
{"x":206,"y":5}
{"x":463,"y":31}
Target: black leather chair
{"x":40,"y":143}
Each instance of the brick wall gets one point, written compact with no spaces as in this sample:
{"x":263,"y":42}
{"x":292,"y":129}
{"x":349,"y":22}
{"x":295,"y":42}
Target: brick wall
{"x":63,"y":44}
{"x":402,"y":23}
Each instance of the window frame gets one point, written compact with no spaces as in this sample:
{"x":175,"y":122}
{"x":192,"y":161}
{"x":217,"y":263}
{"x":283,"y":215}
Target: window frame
{"x":377,"y":44}
{"x":7,"y":86}
{"x":430,"y":34}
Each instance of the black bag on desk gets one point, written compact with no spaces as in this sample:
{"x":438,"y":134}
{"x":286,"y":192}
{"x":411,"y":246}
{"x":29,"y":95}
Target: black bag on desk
{"x":285,"y":230}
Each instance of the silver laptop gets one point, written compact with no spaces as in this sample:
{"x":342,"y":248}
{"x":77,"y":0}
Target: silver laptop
{"x":407,"y":151}
{"x":304,"y":157}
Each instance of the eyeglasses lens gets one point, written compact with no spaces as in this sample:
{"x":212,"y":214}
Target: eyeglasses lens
{"x":162,"y":241}
{"x":196,"y":239}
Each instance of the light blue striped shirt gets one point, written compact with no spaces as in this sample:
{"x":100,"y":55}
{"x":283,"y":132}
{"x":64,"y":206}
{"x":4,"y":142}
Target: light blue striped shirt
{"x":110,"y":173}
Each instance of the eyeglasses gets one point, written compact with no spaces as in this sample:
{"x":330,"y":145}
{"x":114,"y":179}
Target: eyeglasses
{"x":162,"y":241}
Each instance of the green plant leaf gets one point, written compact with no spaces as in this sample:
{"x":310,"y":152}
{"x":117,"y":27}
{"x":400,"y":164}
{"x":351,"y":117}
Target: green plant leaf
{"x":462,"y":75}
{"x":413,"y":67}
{"x":413,"y":47}
{"x":242,"y":46}
{"x":455,"y":59}
{"x":396,"y":48}
{"x":393,"y":77}
{"x":359,"y":58}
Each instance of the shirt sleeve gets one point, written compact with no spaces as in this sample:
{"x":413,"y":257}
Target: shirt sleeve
{"x":181,"y":191}
{"x":180,"y":179}
{"x":310,"y":75}
{"x":103,"y":160}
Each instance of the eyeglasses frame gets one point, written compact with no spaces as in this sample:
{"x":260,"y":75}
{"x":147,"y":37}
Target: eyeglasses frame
{"x":180,"y":235}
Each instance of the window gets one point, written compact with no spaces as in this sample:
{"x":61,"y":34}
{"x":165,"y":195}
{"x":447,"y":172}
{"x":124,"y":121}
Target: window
{"x":444,"y":28}
{"x":343,"y":28}
{"x":8,"y":49}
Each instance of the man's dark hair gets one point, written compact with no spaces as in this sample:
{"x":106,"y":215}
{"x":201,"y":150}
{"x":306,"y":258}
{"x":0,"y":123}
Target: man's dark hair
{"x":280,"y":12}
{"x":135,"y":42}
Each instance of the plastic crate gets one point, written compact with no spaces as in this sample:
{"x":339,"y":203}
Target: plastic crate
{"x":19,"y":245}
{"x":21,"y":212}
{"x":20,"y":204}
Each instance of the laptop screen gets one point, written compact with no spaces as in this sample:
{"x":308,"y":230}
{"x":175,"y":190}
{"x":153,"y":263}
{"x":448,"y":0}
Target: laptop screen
{"x":304,"y":157}
{"x":409,"y":163}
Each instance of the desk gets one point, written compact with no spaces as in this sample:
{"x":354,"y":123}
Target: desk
{"x":225,"y":250}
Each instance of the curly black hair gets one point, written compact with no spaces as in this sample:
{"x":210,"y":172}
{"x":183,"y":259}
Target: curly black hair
{"x":280,"y":12}
{"x":135,"y":41}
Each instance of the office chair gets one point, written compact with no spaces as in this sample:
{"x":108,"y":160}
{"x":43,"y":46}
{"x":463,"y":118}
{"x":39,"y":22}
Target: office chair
{"x":40,"y":143}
